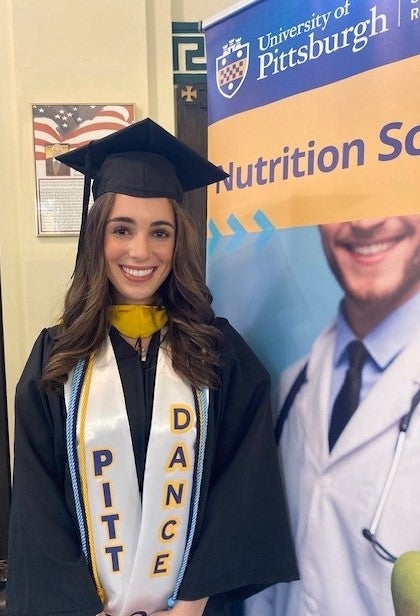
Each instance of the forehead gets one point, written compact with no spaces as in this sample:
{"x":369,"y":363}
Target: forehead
{"x":152,"y":208}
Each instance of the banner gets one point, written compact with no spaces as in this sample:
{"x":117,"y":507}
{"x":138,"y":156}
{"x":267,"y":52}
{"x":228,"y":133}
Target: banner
{"x":314,"y":112}
{"x":314,"y":251}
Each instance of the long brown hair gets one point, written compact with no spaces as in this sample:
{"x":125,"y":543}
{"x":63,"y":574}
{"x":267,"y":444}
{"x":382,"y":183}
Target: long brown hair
{"x":191,"y":334}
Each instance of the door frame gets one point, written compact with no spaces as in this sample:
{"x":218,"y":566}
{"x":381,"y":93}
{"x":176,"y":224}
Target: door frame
{"x":191,"y":128}
{"x":5,"y":476}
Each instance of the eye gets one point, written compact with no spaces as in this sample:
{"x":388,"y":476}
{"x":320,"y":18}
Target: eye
{"x":161,"y":233}
{"x":121,"y":230}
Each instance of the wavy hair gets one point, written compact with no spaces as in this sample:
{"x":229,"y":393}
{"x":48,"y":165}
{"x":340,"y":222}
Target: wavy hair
{"x":192,"y":336}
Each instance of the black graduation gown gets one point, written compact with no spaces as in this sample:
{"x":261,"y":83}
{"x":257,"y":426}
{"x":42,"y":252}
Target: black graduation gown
{"x":242,"y":542}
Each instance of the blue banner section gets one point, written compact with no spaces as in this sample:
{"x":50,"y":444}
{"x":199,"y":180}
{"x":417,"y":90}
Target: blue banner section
{"x":273,"y":50}
{"x":262,"y":283}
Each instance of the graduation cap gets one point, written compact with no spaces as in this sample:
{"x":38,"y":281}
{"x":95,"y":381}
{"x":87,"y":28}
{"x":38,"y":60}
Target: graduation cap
{"x":141,"y":160}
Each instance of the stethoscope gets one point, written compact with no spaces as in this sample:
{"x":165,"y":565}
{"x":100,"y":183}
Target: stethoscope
{"x":370,"y":533}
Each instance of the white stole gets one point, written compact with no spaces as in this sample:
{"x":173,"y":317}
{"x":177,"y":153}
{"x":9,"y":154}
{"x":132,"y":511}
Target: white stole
{"x":136,"y":545}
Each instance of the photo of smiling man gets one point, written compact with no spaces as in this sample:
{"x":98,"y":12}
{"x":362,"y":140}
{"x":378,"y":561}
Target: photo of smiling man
{"x":377,"y":264}
{"x":349,"y":429}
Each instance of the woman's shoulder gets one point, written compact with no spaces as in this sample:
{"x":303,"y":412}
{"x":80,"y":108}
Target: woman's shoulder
{"x":234,"y":349}
{"x":45,"y":340}
{"x":39,"y":354}
{"x":230,"y":338}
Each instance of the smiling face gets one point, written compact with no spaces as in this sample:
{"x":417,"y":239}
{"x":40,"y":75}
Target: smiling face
{"x":139,"y":245}
{"x":376,"y":261}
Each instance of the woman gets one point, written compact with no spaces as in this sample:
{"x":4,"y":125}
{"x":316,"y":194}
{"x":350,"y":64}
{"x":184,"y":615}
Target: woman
{"x":145,"y":471}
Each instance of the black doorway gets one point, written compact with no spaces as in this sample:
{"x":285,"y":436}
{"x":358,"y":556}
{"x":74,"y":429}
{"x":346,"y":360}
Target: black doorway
{"x":4,"y":467}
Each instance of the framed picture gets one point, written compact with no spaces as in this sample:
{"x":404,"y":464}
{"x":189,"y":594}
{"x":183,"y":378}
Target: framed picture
{"x":58,"y":129}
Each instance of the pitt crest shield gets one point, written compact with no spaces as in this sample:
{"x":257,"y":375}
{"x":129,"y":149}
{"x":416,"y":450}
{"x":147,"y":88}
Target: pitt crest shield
{"x":232,"y":67}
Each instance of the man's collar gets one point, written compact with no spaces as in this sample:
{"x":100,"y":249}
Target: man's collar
{"x":387,"y":339}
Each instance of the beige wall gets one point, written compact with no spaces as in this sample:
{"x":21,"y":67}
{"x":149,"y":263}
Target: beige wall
{"x":199,"y":10}
{"x":68,"y":52}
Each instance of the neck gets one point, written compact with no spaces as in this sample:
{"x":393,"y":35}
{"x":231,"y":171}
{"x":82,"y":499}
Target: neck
{"x":364,"y":316}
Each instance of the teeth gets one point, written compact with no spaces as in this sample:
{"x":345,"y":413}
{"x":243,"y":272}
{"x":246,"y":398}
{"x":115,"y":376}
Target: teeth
{"x":371,"y":249}
{"x":139,"y":273}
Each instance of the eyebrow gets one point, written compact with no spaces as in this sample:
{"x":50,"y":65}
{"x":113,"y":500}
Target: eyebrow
{"x":155,"y":223}
{"x":158,"y":223}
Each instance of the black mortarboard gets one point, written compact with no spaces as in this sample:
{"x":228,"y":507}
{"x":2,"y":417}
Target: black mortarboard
{"x":141,"y":160}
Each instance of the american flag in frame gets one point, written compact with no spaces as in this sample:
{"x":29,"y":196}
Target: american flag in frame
{"x":58,"y":129}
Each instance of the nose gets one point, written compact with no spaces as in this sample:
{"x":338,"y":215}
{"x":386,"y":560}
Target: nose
{"x":139,"y":247}
{"x":366,"y":228}
{"x":367,"y":224}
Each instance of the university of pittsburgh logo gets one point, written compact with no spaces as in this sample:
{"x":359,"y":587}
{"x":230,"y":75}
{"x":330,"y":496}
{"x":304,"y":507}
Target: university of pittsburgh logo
{"x":232,"y":67}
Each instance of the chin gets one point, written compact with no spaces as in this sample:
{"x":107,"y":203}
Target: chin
{"x":381,"y":300}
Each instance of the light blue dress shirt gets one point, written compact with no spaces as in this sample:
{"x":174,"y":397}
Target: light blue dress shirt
{"x":383,"y":343}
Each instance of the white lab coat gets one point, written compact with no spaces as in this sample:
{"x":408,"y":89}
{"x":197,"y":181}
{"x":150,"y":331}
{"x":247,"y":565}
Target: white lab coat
{"x":332,"y":497}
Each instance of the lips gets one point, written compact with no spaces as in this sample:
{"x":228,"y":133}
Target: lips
{"x":373,"y":249}
{"x":137,"y":273}
{"x":370,"y":251}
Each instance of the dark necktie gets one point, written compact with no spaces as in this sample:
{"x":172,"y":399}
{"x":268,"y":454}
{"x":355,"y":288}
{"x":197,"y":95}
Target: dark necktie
{"x":348,"y":397}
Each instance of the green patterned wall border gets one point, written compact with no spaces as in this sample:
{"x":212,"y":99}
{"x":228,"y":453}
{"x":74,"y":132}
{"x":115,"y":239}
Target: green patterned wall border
{"x":189,"y":53}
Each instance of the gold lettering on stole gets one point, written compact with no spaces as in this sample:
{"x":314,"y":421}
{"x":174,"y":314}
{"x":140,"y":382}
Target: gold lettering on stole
{"x":161,"y":564}
{"x":178,"y":459}
{"x":182,"y":417}
{"x":169,"y":530}
{"x":174,"y":492}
